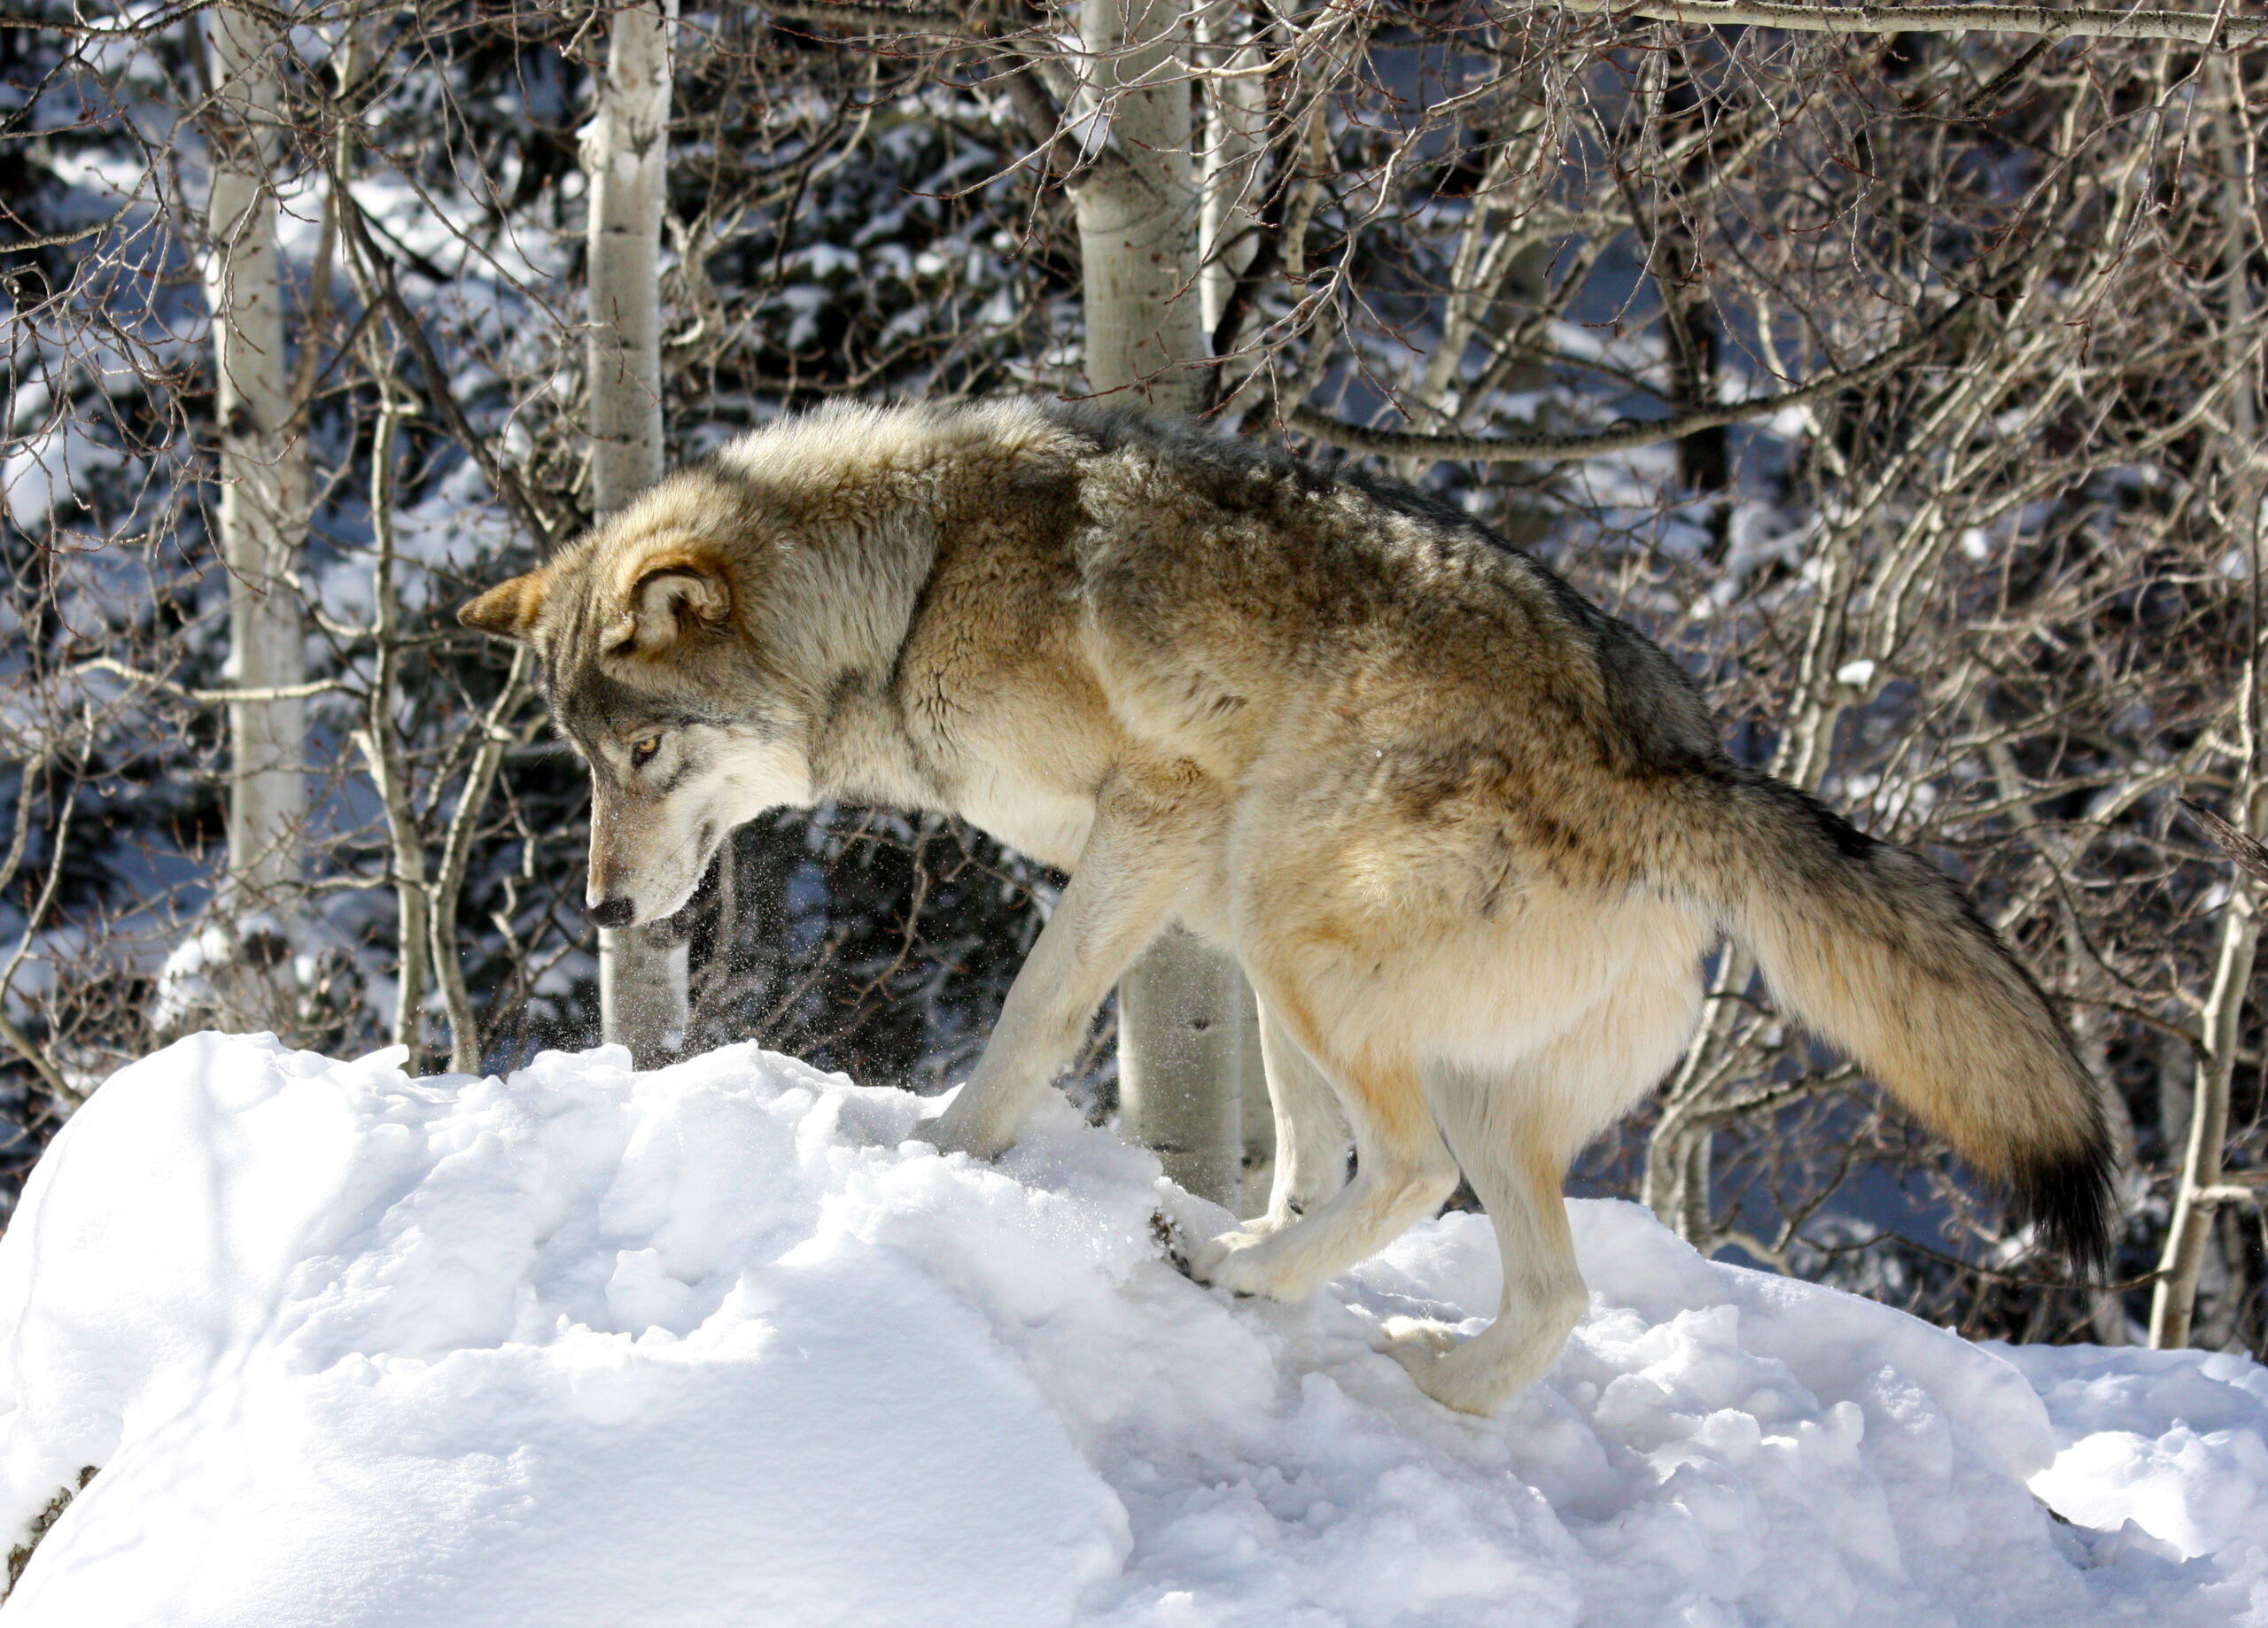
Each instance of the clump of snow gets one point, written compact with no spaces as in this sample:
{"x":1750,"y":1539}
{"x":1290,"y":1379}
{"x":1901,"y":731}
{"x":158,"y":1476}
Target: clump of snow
{"x":194,"y":974}
{"x":726,"y":1343}
{"x":2176,"y":1441}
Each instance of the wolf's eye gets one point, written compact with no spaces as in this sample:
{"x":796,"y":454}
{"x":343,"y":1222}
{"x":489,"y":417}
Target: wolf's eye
{"x":641,"y":752}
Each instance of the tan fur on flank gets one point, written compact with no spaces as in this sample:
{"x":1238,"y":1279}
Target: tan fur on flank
{"x":1469,"y":836}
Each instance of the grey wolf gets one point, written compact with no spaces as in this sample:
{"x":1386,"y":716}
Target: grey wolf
{"x":1469,"y":837}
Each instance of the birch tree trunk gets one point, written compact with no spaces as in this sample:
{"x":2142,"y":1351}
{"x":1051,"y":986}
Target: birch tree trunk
{"x":1139,"y":206}
{"x":382,"y":750}
{"x":1236,"y":130}
{"x":642,"y":975}
{"x":263,"y":516}
{"x":1180,"y":1007}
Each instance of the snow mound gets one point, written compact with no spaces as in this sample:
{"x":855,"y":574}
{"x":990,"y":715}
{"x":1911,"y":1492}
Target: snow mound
{"x":726,"y":1344}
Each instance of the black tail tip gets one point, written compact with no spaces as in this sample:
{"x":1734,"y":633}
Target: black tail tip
{"x":2071,"y":1198}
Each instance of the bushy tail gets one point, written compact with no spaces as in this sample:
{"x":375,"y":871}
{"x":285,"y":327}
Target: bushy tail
{"x":1880,"y":953}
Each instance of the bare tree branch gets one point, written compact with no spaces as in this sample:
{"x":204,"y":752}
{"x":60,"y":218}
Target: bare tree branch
{"x":211,"y":698}
{"x":879,"y":18}
{"x":1620,"y":437}
{"x":2248,"y":853}
{"x":2059,"y":22}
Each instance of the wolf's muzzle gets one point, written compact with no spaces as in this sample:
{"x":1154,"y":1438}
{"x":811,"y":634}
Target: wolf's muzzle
{"x":612,"y":912}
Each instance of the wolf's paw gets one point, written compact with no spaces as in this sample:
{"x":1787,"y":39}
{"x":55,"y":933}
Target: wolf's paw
{"x":1451,"y":1387}
{"x":1172,"y":1243}
{"x":953,"y":1132}
{"x":1477,"y":1376}
{"x":1416,"y":1339}
{"x":1234,"y":1262}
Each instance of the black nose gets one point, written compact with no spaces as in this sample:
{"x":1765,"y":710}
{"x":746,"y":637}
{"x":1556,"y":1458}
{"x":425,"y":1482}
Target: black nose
{"x":613,"y":913}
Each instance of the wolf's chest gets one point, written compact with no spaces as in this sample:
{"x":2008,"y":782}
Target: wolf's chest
{"x":1034,"y":819}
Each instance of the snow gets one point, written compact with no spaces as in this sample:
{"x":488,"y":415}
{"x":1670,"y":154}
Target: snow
{"x":53,"y":466}
{"x":2172,"y":1440}
{"x":726,"y":1343}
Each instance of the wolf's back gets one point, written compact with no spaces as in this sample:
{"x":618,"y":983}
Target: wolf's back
{"x":1881,"y":954}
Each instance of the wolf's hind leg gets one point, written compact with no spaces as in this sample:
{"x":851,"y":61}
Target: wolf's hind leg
{"x":1515,"y":1127}
{"x":1311,"y":1134}
{"x":1502,"y":1128}
{"x":1402,"y":1173}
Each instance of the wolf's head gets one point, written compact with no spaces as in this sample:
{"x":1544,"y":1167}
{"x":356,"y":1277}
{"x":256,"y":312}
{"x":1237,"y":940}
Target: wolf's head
{"x":652,"y":661}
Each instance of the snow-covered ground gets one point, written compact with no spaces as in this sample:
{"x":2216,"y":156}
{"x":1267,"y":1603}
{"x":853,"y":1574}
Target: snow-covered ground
{"x":723,"y":1344}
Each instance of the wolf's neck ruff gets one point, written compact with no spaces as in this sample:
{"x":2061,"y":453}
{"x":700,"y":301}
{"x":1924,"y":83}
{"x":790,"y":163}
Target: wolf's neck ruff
{"x":1468,"y":836}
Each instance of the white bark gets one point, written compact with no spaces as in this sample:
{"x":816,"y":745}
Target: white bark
{"x":1138,"y":208}
{"x":1180,"y":1008}
{"x":1236,"y":130}
{"x":642,"y":985}
{"x":381,"y":749}
{"x":1180,"y":1029}
{"x":263,"y":507}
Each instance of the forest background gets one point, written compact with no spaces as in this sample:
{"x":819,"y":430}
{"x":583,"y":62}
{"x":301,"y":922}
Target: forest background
{"x":1906,"y":385}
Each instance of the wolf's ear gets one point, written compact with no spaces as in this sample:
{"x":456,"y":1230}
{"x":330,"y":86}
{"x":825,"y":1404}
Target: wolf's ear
{"x":675,"y":596}
{"x":507,"y":611}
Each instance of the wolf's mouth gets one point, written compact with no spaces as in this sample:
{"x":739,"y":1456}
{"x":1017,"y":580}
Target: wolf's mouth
{"x":624,"y":910}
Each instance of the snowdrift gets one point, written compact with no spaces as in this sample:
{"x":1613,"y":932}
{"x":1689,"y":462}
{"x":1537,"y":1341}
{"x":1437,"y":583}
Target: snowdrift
{"x":726,"y":1344}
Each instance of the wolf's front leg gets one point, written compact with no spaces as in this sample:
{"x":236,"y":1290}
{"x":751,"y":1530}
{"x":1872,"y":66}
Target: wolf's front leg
{"x":1155,"y":827}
